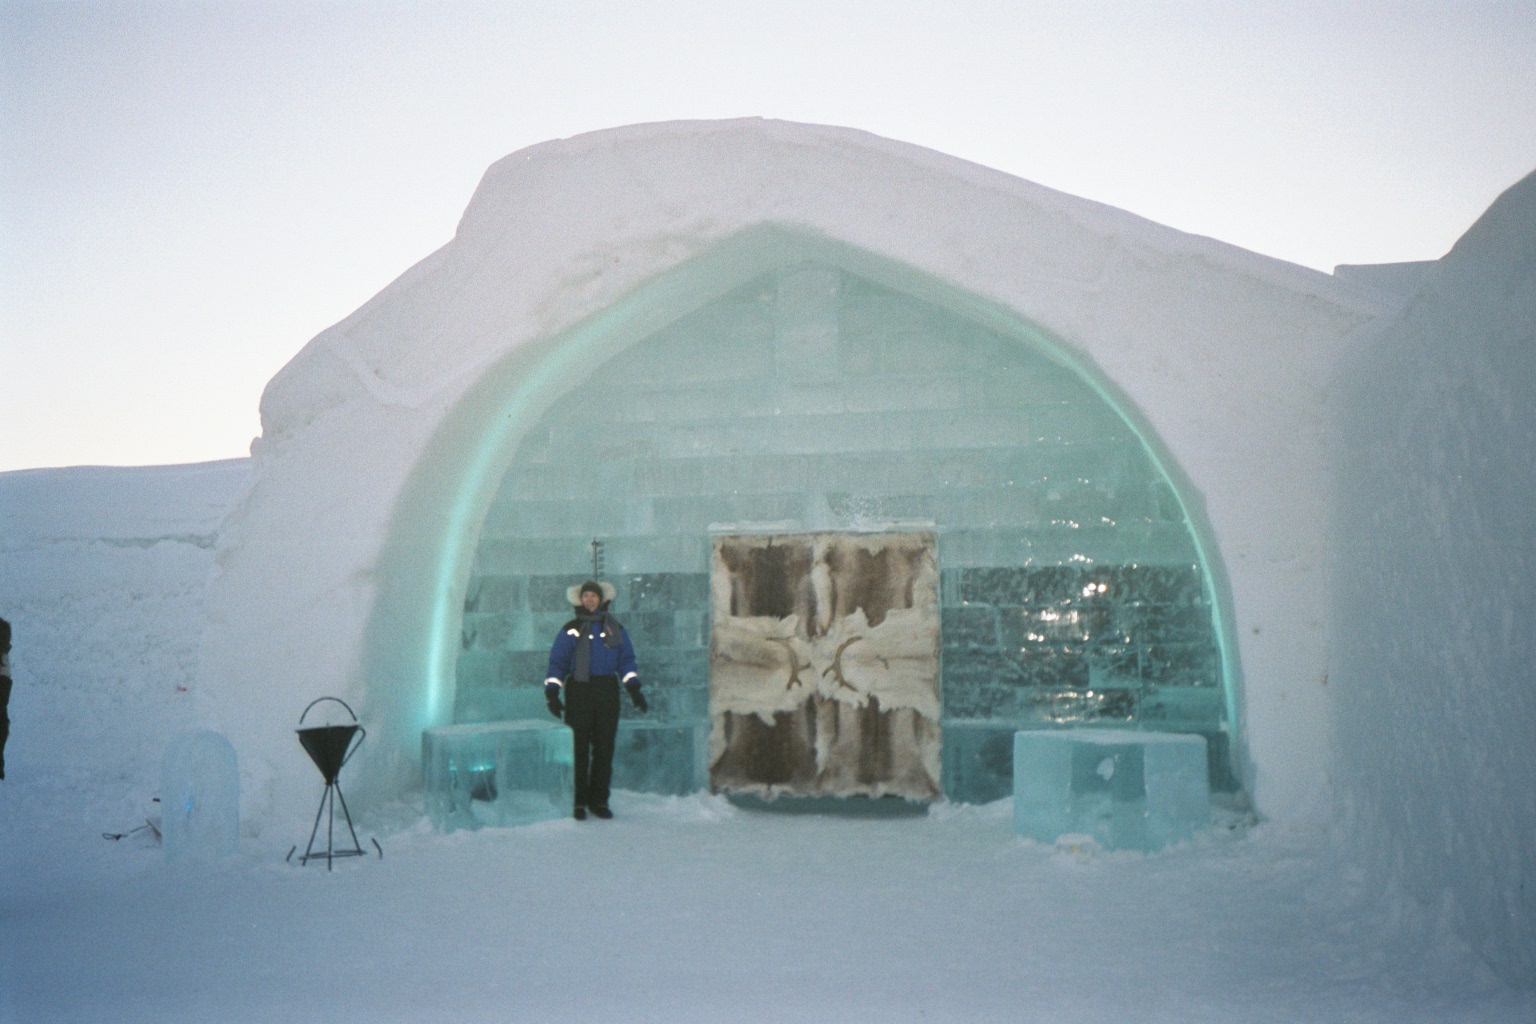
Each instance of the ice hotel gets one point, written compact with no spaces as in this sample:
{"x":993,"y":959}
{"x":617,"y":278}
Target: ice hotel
{"x":966,"y":458}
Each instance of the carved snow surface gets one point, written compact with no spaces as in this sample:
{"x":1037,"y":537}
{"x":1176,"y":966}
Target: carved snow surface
{"x":824,"y":665}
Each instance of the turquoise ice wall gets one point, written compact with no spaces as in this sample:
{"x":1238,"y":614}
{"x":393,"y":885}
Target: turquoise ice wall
{"x":813,"y":399}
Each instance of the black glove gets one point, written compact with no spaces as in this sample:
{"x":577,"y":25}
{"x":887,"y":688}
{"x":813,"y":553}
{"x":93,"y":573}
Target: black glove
{"x":552,"y":698}
{"x":635,"y":696}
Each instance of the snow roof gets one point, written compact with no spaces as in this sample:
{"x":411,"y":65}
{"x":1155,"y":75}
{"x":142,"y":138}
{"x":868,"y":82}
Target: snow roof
{"x":560,"y":230}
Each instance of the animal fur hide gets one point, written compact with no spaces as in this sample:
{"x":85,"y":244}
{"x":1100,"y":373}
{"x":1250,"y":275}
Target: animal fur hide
{"x":824,"y":665}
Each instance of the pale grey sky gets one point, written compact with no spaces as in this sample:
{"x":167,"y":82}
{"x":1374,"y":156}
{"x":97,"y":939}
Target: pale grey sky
{"x":191,"y":191}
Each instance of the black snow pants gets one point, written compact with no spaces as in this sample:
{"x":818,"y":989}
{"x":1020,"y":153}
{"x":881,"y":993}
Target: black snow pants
{"x":592,"y":712}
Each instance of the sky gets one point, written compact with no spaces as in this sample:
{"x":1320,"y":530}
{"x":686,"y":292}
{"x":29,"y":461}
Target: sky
{"x":189,"y":192}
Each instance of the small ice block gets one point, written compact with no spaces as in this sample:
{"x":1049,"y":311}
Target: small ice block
{"x":1128,"y":790}
{"x":199,"y":797}
{"x":652,"y":757}
{"x":497,"y":773}
{"x":978,"y":761}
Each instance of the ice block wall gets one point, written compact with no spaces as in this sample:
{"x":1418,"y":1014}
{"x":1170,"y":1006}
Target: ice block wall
{"x":814,"y":400}
{"x":1434,"y":589}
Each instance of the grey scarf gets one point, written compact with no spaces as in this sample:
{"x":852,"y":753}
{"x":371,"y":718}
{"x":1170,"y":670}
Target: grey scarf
{"x":581,"y":666}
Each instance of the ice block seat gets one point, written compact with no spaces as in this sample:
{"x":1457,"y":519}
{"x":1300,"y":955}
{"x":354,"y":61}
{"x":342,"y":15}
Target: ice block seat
{"x":497,"y":773}
{"x":1128,"y":790}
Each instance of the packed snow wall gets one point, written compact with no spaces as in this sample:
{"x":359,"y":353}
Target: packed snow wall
{"x":102,"y":573}
{"x":1434,"y":588}
{"x":812,"y":399}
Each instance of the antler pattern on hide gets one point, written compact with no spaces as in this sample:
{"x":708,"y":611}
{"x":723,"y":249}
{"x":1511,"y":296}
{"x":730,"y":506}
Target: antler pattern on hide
{"x":836,"y":668}
{"x":794,"y":664}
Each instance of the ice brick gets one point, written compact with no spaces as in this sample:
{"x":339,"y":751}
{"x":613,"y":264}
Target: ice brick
{"x":199,"y":796}
{"x":497,"y":773}
{"x":652,"y":757}
{"x":805,"y":323}
{"x":499,"y":702}
{"x":1128,"y":790}
{"x":978,"y":761}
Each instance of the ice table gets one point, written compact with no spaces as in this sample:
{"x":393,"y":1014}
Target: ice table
{"x":1128,"y":790}
{"x":497,"y":773}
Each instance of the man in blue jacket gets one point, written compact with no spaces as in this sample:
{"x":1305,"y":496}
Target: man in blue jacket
{"x":591,"y":656}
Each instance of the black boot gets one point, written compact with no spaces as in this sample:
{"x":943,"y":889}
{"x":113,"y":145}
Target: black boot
{"x":602,"y":811}
{"x":581,"y":813}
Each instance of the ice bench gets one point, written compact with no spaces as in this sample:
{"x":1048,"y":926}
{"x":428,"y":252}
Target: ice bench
{"x":497,"y":773}
{"x":1127,"y":790}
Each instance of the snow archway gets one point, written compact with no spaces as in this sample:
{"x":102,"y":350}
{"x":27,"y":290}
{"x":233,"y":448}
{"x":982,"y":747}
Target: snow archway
{"x":816,"y":387}
{"x":344,"y":567}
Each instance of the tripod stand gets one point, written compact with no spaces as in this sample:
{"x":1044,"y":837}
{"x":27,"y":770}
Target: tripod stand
{"x":328,"y":746}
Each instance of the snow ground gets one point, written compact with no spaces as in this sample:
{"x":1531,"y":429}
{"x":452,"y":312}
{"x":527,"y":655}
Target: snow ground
{"x":690,"y":909}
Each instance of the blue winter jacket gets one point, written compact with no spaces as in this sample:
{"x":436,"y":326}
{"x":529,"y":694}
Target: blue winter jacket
{"x":605,"y":661}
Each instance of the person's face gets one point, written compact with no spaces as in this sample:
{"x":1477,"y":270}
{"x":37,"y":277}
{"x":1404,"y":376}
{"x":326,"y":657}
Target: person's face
{"x":590,"y":601}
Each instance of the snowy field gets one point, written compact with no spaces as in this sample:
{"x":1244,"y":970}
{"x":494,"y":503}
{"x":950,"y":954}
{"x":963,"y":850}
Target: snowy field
{"x":690,"y":909}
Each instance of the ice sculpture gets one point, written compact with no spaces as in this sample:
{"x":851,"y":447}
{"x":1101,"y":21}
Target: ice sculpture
{"x":199,"y":796}
{"x":1128,"y":790}
{"x":497,"y":773}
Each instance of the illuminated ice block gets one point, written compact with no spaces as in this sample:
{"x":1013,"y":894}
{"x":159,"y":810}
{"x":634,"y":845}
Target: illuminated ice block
{"x":199,"y":797}
{"x":1128,"y":790}
{"x":497,"y":773}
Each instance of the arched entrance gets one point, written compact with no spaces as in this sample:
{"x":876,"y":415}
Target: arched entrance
{"x":789,"y":384}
